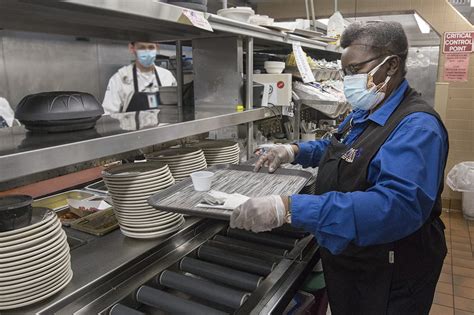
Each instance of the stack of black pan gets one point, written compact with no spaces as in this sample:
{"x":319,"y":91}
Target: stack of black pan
{"x":217,"y":278}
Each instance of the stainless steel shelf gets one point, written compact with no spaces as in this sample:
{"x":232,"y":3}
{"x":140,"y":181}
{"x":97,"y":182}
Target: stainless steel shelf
{"x":18,"y":163}
{"x":130,"y":20}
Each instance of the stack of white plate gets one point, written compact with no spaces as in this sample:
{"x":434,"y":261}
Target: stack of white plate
{"x":182,"y":162}
{"x":220,"y":152}
{"x":34,"y":261}
{"x":130,"y":186}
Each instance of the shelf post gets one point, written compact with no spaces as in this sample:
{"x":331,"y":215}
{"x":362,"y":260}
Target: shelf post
{"x":179,"y":79}
{"x":249,"y":95}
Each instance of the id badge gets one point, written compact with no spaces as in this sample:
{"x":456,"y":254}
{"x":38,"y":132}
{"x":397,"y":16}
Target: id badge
{"x":152,"y":101}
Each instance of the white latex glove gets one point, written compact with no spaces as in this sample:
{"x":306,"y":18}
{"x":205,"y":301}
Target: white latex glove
{"x":276,"y":156}
{"x":259,"y":214}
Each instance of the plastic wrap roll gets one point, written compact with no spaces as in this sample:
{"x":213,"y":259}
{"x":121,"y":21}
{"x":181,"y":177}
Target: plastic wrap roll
{"x":203,"y":289}
{"x":120,"y":309}
{"x":172,"y":304}
{"x":246,"y":251}
{"x":264,"y":238}
{"x":237,"y":261}
{"x":239,"y":279}
{"x":258,"y":247}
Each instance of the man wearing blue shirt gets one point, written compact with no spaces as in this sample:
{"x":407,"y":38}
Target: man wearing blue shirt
{"x":376,"y":212}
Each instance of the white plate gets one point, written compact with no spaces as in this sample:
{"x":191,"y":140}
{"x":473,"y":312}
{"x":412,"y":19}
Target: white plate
{"x":151,"y":235}
{"x":223,"y":156}
{"x":221,"y":150}
{"x":37,"y":268}
{"x":37,"y":262}
{"x":174,"y":153}
{"x":215,"y":144}
{"x":149,"y":222}
{"x":146,"y":221}
{"x":34,"y":259}
{"x":127,"y":194}
{"x":188,"y":167}
{"x":35,"y":276}
{"x":138,"y":213}
{"x":137,"y":178}
{"x":189,"y":171}
{"x":31,"y":288}
{"x":33,"y":251}
{"x":133,"y":170}
{"x":30,"y":240}
{"x":233,"y":158}
{"x":151,"y":229}
{"x":133,"y":208}
{"x":141,"y":186}
{"x":37,"y":297}
{"x":156,"y":176}
{"x":188,"y":162}
{"x":211,"y":153}
{"x":40,"y":216}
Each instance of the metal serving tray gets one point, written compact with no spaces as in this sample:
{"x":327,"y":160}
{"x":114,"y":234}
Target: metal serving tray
{"x":59,"y":201}
{"x":181,"y":197}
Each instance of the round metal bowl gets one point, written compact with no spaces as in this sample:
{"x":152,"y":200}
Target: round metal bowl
{"x":15,"y":212}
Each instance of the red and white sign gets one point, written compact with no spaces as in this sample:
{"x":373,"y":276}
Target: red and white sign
{"x":456,"y":67}
{"x":458,"y":42}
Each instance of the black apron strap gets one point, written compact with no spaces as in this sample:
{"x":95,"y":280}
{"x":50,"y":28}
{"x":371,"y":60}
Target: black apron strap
{"x":135,"y":79}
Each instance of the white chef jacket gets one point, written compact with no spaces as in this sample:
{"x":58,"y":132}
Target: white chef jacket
{"x":6,"y":112}
{"x":120,"y":89}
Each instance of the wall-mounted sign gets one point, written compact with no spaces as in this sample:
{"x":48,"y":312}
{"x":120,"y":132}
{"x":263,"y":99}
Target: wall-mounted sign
{"x":458,"y":42}
{"x":456,"y":67}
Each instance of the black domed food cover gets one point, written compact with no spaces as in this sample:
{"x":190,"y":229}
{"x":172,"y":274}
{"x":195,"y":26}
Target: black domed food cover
{"x":59,"y":111}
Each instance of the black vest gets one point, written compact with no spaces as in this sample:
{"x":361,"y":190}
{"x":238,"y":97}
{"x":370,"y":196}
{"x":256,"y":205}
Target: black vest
{"x":360,"y":278}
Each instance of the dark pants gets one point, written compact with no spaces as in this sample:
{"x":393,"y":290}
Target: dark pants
{"x":415,"y":297}
{"x":363,"y":282}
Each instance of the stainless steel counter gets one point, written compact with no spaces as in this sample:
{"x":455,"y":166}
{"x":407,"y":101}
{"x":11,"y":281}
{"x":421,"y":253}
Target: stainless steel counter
{"x":99,"y":259}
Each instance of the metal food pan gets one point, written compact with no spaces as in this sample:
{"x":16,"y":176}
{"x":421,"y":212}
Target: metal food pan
{"x":181,"y":197}
{"x":59,"y":201}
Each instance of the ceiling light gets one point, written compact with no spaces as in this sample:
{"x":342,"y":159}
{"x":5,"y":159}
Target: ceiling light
{"x":424,"y":27}
{"x":472,"y":3}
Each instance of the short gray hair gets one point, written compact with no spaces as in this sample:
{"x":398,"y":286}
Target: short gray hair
{"x":382,"y":37}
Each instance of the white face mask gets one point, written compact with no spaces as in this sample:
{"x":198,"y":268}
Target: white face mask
{"x":360,"y":90}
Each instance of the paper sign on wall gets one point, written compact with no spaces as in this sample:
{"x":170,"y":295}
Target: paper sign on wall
{"x":458,"y":42}
{"x":456,"y":67}
{"x":302,"y":63}
{"x":196,"y":19}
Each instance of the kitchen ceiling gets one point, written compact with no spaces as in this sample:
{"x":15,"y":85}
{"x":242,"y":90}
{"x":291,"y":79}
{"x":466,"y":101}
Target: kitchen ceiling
{"x":415,"y":37}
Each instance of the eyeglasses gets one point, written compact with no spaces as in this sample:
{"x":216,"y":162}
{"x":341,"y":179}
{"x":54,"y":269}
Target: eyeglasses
{"x":355,"y":67}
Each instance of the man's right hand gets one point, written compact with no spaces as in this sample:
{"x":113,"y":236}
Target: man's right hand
{"x":277,"y":156}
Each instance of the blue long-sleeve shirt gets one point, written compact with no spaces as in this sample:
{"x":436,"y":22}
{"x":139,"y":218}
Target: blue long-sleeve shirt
{"x":406,"y":174}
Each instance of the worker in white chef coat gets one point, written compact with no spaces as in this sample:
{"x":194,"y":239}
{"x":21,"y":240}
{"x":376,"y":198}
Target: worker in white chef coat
{"x":7,"y":116}
{"x":136,"y":87}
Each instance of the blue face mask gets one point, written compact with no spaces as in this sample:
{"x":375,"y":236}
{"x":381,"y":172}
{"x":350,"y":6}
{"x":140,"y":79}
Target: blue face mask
{"x":146,"y":57}
{"x":361,"y":92}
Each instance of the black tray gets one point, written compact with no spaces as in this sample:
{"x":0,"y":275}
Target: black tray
{"x":249,"y":183}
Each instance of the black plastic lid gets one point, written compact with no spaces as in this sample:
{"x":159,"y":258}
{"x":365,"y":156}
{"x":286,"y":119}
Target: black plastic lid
{"x":59,"y":105}
{"x":11,"y":202}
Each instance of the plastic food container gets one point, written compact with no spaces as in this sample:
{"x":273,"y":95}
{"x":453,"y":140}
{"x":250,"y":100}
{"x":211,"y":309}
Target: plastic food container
{"x":99,"y":223}
{"x":15,"y":212}
{"x":274,"y":67}
{"x":202,"y":180}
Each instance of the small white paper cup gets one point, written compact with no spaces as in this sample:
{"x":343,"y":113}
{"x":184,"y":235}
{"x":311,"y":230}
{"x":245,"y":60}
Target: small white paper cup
{"x":202,"y":180}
